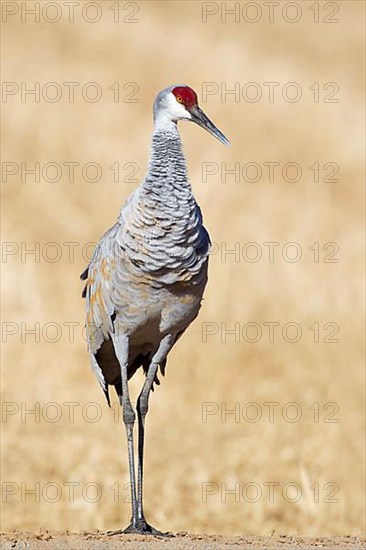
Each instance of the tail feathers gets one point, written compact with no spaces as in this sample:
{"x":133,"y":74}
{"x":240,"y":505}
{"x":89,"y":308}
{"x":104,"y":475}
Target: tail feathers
{"x":83,"y":277}
{"x":84,"y":274}
{"x":163,"y":366}
{"x":142,"y":360}
{"x":106,"y":393}
{"x":100,"y":377}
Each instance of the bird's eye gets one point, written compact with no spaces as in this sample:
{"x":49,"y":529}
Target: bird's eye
{"x":180,"y":99}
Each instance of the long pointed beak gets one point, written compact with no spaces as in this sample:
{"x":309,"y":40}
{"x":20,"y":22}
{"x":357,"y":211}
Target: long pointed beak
{"x":199,"y":117}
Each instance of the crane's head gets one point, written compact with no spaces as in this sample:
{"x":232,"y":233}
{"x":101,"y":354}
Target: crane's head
{"x":180,"y":102}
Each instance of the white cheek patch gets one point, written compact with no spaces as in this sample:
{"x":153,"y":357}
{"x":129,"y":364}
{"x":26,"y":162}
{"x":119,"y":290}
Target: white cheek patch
{"x":176,"y":109}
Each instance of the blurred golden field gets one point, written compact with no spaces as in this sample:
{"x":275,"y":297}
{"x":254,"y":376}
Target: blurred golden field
{"x":322,"y":454}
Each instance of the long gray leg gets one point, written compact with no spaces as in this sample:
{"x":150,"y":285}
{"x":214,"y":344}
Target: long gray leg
{"x":121,"y":345}
{"x":142,"y":407}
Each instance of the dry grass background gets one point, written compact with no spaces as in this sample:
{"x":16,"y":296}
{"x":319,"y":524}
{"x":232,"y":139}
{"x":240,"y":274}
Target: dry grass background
{"x":171,"y":44}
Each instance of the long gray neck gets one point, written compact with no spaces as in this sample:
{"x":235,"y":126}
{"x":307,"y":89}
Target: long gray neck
{"x":167,"y":172}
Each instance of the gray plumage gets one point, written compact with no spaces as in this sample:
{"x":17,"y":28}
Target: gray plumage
{"x":145,"y":282}
{"x":149,"y":271}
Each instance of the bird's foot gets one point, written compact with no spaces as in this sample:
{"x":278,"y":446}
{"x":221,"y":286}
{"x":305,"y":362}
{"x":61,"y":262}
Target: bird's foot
{"x":140,"y":527}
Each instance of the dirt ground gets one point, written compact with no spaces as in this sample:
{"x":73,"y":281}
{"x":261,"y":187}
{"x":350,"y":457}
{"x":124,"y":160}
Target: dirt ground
{"x":44,"y":539}
{"x":256,"y":427}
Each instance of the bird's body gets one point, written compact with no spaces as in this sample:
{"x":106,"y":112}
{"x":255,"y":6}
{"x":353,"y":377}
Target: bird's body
{"x":145,"y":282}
{"x":149,"y":271}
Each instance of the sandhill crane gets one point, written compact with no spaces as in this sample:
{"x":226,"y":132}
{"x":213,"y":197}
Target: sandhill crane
{"x":145,"y":282}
